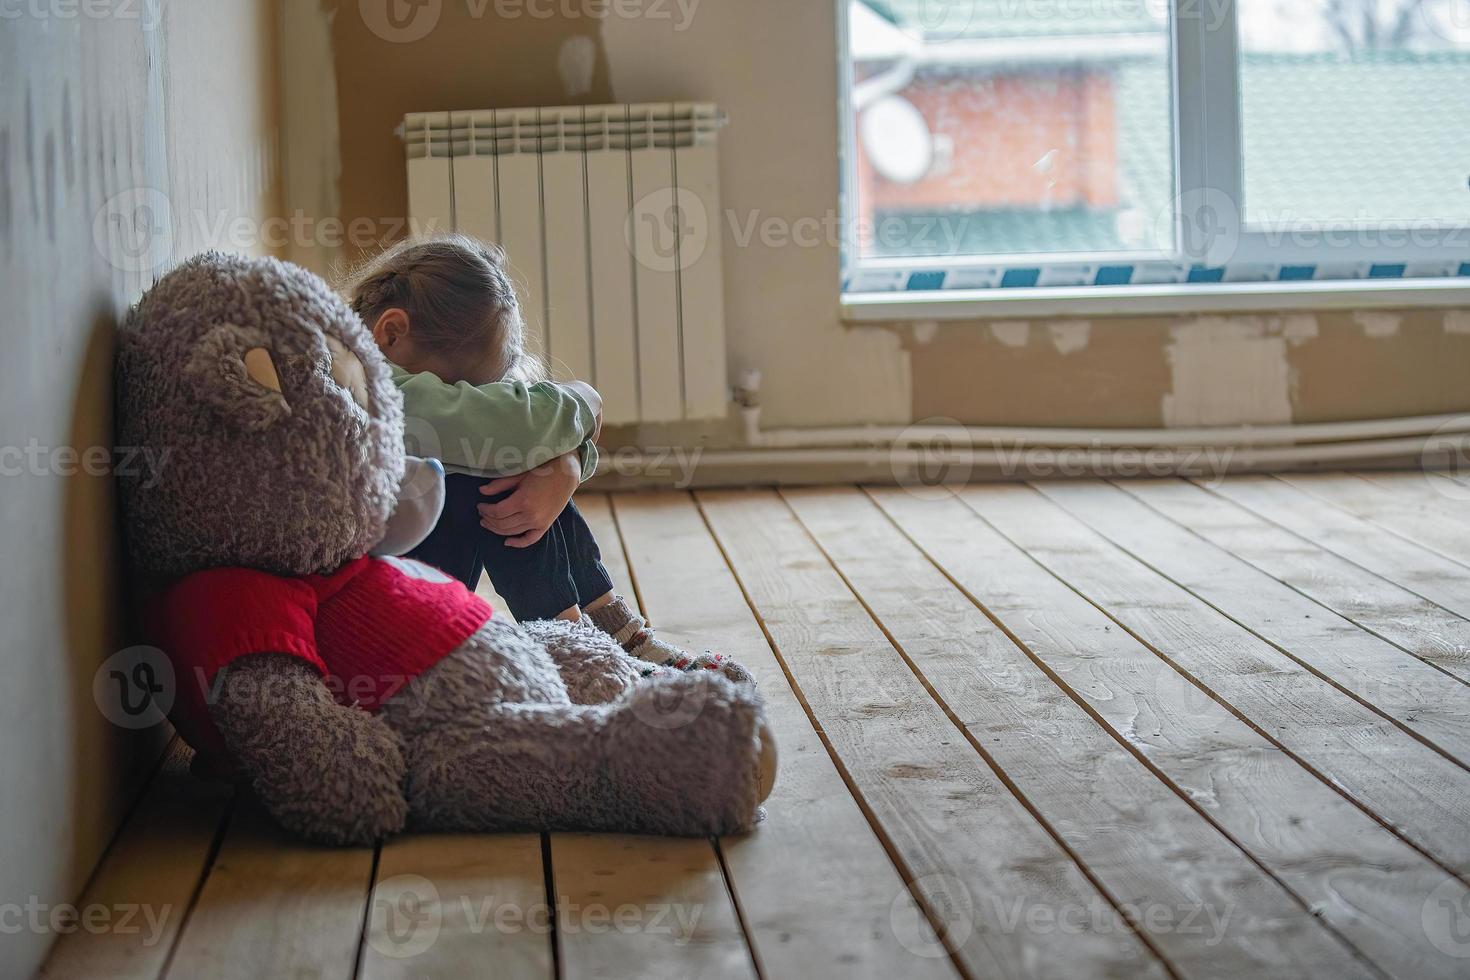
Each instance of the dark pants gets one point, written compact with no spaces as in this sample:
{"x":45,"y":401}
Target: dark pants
{"x":562,"y":570}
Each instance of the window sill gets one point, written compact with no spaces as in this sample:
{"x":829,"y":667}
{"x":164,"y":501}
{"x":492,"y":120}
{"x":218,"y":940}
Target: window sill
{"x":1106,"y":301}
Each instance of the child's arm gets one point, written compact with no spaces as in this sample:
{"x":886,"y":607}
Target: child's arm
{"x":501,"y":428}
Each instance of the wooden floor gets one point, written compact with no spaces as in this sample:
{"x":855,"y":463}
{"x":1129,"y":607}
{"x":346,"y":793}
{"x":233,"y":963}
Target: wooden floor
{"x":1059,"y":730}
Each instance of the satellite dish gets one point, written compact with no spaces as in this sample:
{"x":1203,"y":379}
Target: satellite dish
{"x":897,"y":139}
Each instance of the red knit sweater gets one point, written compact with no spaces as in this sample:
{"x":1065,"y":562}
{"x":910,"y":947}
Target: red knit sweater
{"x":368,"y":628}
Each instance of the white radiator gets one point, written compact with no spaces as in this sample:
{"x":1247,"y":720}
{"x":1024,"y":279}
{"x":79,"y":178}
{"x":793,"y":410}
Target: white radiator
{"x":610,"y":217}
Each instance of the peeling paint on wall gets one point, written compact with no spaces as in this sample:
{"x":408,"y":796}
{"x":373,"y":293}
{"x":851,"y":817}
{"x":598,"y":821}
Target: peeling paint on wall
{"x":576,"y":62}
{"x":1070,"y":336}
{"x":1378,"y":324}
{"x":924,"y":331}
{"x":1012,"y":333}
{"x":1227,"y":372}
{"x":1299,"y":328}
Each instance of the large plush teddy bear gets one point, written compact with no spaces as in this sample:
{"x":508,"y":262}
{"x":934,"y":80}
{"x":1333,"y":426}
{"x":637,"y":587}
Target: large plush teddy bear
{"x":357,"y":692}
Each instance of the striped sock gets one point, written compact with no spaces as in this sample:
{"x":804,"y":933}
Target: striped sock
{"x":618,"y":620}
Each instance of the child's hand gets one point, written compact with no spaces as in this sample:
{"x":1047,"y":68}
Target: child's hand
{"x":536,"y":501}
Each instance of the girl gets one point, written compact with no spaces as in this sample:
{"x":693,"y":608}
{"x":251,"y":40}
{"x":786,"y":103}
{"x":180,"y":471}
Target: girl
{"x":444,"y":312}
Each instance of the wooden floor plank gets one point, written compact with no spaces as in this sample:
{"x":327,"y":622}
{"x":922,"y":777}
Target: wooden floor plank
{"x":1367,"y":883}
{"x":1222,"y":916}
{"x":644,"y":907}
{"x":147,"y":878}
{"x":682,"y":920}
{"x":448,"y":905}
{"x":275,"y":907}
{"x":1409,"y":566}
{"x":1429,"y":489}
{"x":1411,"y":787}
{"x":1409,"y":621}
{"x":963,"y":837}
{"x":1428,"y":523}
{"x":818,"y":894}
{"x":1139,"y":517}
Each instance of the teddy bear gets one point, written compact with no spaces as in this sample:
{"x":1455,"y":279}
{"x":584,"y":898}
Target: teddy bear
{"x":356,"y":692}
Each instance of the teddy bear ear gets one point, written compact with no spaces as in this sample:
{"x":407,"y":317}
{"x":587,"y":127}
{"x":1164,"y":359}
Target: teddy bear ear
{"x":232,"y":370}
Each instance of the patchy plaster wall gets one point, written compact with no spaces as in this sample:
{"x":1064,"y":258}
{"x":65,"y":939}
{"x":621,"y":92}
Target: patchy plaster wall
{"x":124,"y":140}
{"x":1349,"y":372}
{"x":773,"y":66}
{"x":1192,"y":371}
{"x":1015,"y":372}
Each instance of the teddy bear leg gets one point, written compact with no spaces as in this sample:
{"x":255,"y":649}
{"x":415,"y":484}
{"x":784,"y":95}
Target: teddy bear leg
{"x":626,"y":766}
{"x":327,"y":772}
{"x":593,"y":667}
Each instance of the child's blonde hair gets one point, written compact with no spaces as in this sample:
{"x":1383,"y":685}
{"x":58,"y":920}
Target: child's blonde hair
{"x":459,"y":297}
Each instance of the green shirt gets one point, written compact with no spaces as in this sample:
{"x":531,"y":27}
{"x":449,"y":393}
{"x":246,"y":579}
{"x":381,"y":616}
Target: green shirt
{"x":497,"y":429}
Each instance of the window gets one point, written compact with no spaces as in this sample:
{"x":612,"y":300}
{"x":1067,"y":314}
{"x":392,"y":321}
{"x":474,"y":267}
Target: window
{"x":1033,"y":143}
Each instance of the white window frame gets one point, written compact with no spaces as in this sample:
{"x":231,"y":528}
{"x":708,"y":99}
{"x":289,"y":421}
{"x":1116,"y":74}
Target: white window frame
{"x":1209,"y":178}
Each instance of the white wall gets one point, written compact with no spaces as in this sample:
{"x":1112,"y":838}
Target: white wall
{"x":170,"y":107}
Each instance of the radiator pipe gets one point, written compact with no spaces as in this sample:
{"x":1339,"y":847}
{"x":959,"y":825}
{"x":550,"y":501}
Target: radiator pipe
{"x":1159,"y":459}
{"x":1246,"y":436}
{"x":1249,"y":445}
{"x":747,"y":398}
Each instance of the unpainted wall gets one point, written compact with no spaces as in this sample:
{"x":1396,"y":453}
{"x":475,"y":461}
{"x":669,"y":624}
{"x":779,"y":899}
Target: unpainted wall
{"x":772,"y":66}
{"x":130,"y":134}
{"x":1191,"y":371}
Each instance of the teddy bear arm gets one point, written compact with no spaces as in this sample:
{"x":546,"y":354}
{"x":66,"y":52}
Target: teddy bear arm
{"x":330,"y":773}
